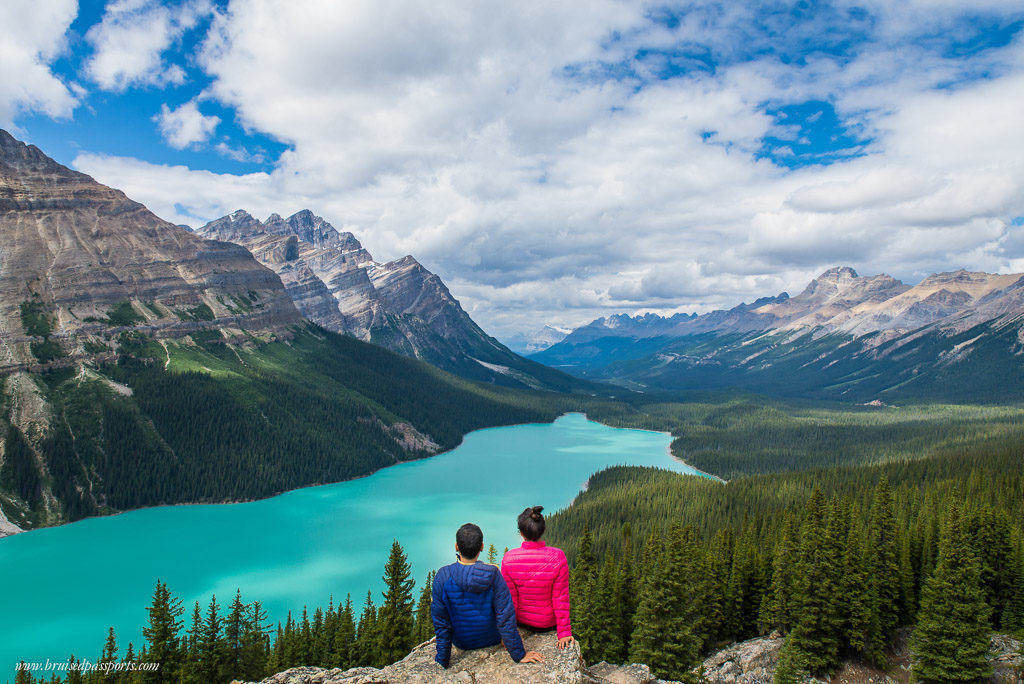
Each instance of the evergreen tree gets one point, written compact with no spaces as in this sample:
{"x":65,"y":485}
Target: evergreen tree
{"x":423,"y":625}
{"x":74,"y":673}
{"x":883,"y":570}
{"x":581,"y":591}
{"x":780,"y":611}
{"x":951,"y":640}
{"x":626,"y":602}
{"x":366,"y":635}
{"x":492,"y":554}
{"x":23,"y":676}
{"x":211,"y":645}
{"x":234,"y":629}
{"x":718,"y":569}
{"x":855,"y":594}
{"x":255,"y":644}
{"x":605,"y":635}
{"x":161,"y":633}
{"x":395,"y":617}
{"x":670,"y":610}
{"x":815,"y":637}
{"x":344,"y":648}
{"x":109,"y":655}
{"x":191,"y":672}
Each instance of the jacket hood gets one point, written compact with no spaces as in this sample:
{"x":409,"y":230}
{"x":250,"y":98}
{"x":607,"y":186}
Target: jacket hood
{"x":476,"y":578}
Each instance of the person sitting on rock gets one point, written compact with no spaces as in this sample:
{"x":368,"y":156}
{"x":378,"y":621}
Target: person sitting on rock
{"x":470,"y":604}
{"x":538,"y":578}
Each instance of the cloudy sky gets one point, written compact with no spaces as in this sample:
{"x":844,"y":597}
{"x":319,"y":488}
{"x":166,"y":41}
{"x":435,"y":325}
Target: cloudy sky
{"x":555,"y":161}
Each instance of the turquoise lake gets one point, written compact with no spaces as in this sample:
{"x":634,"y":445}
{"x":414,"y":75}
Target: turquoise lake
{"x":62,"y":587}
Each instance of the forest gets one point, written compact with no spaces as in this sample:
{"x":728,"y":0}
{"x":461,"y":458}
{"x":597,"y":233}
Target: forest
{"x":667,"y":567}
{"x":206,"y":421}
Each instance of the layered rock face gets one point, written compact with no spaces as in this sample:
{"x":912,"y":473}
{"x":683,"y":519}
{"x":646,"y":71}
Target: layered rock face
{"x":399,"y":305}
{"x":74,"y":250}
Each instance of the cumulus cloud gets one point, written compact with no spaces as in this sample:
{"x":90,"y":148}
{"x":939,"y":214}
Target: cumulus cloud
{"x":185,"y":125}
{"x":130,"y":41}
{"x":32,"y":36}
{"x":555,"y":162}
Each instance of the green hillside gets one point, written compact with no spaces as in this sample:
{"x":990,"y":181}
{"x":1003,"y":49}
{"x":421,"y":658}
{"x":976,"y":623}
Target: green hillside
{"x":199,"y":419}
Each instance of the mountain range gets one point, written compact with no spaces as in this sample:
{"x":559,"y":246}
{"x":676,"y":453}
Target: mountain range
{"x":143,"y":364}
{"x":400,"y":305}
{"x":845,"y":336}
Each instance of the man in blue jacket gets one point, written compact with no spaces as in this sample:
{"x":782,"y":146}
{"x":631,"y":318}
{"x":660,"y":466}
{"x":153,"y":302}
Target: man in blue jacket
{"x":471,"y":606}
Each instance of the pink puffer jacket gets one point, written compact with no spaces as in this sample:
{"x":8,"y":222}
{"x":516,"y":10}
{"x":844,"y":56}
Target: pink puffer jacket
{"x":538,"y":578}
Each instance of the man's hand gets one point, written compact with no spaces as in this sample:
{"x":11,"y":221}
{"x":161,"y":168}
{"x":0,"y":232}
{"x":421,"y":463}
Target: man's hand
{"x":564,"y":642}
{"x":532,"y":657}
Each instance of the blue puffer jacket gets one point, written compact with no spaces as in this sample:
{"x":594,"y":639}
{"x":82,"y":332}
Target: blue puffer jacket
{"x":471,"y":608}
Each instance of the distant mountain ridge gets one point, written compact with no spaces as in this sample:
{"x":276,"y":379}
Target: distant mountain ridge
{"x":400,"y":305}
{"x":860,"y":324}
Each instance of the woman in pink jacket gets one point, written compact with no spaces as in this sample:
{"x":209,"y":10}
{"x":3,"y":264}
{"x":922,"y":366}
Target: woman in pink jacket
{"x":537,"y":576}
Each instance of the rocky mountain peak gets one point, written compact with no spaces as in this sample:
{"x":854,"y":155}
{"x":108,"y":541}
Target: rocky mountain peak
{"x":13,"y":150}
{"x":837,"y":273}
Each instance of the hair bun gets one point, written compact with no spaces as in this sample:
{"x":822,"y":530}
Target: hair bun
{"x":535,"y":514}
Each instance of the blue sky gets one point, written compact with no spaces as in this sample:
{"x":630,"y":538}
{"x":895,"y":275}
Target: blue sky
{"x":555,"y":161}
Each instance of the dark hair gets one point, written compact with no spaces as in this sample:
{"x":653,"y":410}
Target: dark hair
{"x":531,"y":523}
{"x":470,"y":540}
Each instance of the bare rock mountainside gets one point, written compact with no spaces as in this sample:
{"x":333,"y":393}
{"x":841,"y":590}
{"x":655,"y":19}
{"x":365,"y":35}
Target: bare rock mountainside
{"x":80,"y":262}
{"x":844,"y":336}
{"x":399,"y":305}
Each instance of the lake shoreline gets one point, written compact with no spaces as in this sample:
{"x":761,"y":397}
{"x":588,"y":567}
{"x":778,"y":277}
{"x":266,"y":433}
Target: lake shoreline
{"x":6,"y":532}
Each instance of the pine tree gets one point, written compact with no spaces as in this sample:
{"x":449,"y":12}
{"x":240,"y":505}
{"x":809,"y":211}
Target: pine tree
{"x":344,"y":653}
{"x":23,"y":676}
{"x":626,"y":602}
{"x":366,"y":635}
{"x":718,"y":569}
{"x":234,"y":628}
{"x":161,"y":635}
{"x":423,"y":625}
{"x":669,"y":615}
{"x":815,"y":636}
{"x":883,"y":570}
{"x":492,"y":554}
{"x":109,"y":655}
{"x":605,"y":637}
{"x":780,"y":611}
{"x":191,"y":672}
{"x":951,"y":640}
{"x":255,"y":644}
{"x":395,"y":616}
{"x":855,"y":594}
{"x":74,"y":673}
{"x":211,"y":651}
{"x":581,"y":592}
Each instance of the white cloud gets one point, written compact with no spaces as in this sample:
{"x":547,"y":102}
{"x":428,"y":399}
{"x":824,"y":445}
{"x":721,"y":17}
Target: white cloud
{"x":465,"y":134}
{"x":32,"y":36}
{"x":130,"y":41}
{"x":185,"y":125}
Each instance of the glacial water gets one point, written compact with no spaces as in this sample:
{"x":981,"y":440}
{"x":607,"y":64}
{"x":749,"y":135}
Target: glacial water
{"x":61,"y":588}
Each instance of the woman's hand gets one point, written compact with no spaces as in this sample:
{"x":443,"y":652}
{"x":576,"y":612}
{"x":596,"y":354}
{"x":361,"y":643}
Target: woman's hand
{"x":532,"y":657}
{"x":564,"y":642}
